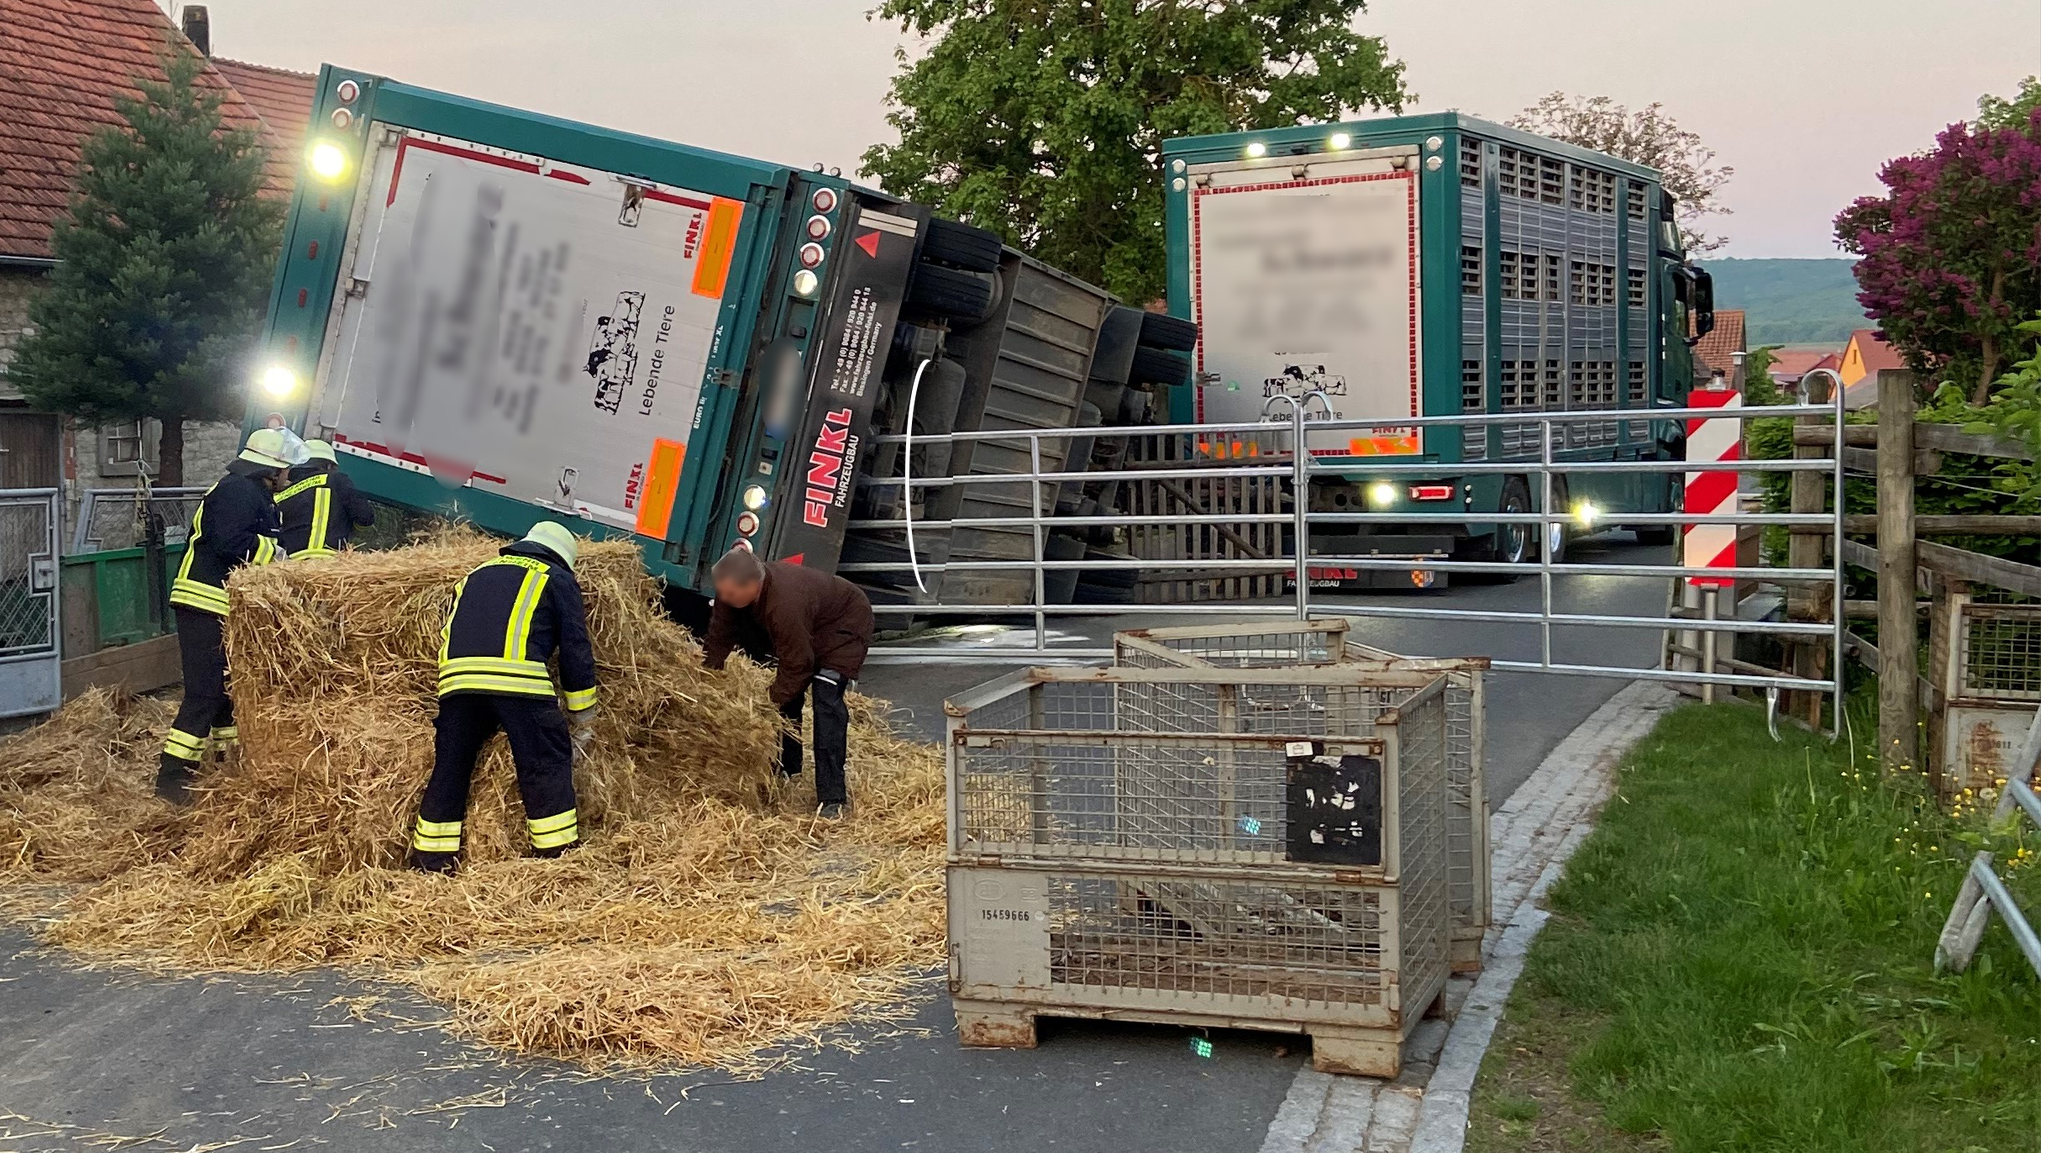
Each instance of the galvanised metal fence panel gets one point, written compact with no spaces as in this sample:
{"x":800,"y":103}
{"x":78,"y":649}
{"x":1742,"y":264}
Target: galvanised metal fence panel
{"x":31,"y":678}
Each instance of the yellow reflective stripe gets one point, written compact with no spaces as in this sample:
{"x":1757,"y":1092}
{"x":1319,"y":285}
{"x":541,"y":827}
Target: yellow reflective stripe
{"x":323,"y":504}
{"x":481,"y":683}
{"x":436,"y":844}
{"x":229,"y":733}
{"x":556,"y":823}
{"x":493,"y":665}
{"x":520,"y":626}
{"x":319,"y":481}
{"x":184,"y":746}
{"x":581,"y":699}
{"x":429,"y":828}
{"x":266,"y":550}
{"x":199,"y":595}
{"x":315,"y":553}
{"x":555,"y":840}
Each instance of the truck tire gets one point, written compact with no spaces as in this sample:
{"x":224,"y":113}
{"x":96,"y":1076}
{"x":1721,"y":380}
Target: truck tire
{"x":952,"y":292}
{"x":1510,"y":543}
{"x":961,"y":245}
{"x":1159,"y":330}
{"x":1159,"y":366}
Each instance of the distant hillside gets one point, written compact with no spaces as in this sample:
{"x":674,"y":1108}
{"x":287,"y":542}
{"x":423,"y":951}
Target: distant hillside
{"x":1790,"y":301}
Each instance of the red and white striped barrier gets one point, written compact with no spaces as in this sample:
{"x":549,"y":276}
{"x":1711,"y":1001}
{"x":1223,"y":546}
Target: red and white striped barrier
{"x":1711,"y":545}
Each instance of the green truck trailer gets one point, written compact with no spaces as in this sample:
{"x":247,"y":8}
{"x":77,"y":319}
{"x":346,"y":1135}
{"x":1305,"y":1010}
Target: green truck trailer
{"x":1430,"y":266}
{"x":500,"y":316}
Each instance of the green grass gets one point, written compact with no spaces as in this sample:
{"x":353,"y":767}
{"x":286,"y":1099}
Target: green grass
{"x":1740,"y":957}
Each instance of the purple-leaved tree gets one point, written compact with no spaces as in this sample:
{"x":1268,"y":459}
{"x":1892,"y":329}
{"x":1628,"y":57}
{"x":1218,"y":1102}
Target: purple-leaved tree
{"x":1952,"y":254}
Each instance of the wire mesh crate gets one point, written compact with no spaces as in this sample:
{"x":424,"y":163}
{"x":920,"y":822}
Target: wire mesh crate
{"x":1270,"y":644}
{"x":1261,"y":848}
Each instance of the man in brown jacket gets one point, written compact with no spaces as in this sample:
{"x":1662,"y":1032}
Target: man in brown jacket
{"x":819,"y":626}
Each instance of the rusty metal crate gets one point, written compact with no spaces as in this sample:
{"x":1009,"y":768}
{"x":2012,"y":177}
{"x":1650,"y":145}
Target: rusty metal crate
{"x":1149,"y":844}
{"x":1271,"y":644}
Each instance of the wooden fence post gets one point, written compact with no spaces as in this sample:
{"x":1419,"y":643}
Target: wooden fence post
{"x":1898,"y":633}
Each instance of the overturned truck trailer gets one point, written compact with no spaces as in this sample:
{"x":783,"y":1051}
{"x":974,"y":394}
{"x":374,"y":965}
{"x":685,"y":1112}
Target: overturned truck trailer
{"x":501,"y":316}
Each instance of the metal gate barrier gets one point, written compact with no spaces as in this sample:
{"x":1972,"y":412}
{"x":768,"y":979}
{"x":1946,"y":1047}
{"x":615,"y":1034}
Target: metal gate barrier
{"x":1048,"y":453}
{"x":31,"y":674}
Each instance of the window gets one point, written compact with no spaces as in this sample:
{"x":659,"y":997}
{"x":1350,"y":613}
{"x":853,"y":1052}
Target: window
{"x":1468,"y":269}
{"x":124,"y":446}
{"x":1468,"y":161}
{"x":1638,"y":288}
{"x":1638,"y":200}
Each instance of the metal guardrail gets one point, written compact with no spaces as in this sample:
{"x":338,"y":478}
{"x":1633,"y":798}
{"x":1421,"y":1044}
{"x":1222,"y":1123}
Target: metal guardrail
{"x":1982,"y":890}
{"x":1301,"y":468}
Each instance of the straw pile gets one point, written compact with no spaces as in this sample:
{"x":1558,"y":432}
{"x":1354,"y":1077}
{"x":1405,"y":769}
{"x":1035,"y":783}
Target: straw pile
{"x":706,"y":918}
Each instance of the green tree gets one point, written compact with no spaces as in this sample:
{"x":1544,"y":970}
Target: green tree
{"x":164,"y":260}
{"x":1647,"y":136}
{"x":1042,"y":119}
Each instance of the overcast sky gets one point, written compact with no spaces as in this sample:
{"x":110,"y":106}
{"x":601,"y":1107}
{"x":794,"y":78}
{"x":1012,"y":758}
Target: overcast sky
{"x":1804,"y":97}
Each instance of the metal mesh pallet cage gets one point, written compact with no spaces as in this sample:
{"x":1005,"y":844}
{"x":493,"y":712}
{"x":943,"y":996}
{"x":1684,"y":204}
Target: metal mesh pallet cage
{"x":1252,"y":848}
{"x":1271,"y":644}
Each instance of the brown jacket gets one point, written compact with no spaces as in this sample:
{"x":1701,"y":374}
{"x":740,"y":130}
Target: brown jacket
{"x":815,"y":621}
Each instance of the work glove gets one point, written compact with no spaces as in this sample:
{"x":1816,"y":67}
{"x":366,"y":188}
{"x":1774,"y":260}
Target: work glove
{"x":582,"y":731}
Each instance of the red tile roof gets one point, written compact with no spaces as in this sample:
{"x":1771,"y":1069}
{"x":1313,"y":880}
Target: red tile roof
{"x":1793,"y":363}
{"x":1718,"y":348}
{"x":62,"y":63}
{"x":1877,"y":352}
{"x":284,"y":99}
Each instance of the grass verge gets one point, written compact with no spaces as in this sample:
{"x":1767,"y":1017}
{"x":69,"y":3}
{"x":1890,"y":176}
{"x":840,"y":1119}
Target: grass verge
{"x":1740,"y":957}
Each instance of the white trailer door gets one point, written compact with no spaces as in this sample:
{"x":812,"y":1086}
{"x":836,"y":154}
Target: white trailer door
{"x":1305,"y":277}
{"x":527,"y":328}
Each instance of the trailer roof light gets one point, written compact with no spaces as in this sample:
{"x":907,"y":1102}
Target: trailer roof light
{"x":811,"y":255}
{"x":824,"y":200}
{"x":1339,"y":141}
{"x":343,"y":118}
{"x":754,"y":497}
{"x":1255,"y":149}
{"x":748,"y":523}
{"x":805,"y":282}
{"x":328,"y":161}
{"x":280,"y":381}
{"x":1382,"y":494}
{"x":347,"y":91}
{"x":817,"y":228}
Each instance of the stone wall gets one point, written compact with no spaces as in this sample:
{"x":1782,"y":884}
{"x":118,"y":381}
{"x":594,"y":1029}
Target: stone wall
{"x":17,"y":287}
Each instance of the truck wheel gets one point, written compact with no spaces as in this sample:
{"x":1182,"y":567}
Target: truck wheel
{"x":953,"y":293}
{"x":1159,"y":330}
{"x":1158,"y":366}
{"x":961,"y":245}
{"x":1510,"y":543}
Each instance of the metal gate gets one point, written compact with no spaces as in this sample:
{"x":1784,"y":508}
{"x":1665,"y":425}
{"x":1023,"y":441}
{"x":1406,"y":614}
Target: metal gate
{"x":31,"y":678}
{"x":1549,"y":520}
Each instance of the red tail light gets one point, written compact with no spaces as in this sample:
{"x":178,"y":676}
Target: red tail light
{"x":1430,"y":492}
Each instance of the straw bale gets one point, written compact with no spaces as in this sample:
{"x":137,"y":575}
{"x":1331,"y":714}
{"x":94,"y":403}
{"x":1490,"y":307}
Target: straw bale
{"x":707,"y":917}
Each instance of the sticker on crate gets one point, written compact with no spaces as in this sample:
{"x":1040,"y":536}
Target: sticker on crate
{"x":1333,"y":808}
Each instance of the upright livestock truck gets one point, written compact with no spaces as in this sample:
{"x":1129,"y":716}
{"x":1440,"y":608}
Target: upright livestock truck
{"x":502,"y":316}
{"x":1435,"y":265}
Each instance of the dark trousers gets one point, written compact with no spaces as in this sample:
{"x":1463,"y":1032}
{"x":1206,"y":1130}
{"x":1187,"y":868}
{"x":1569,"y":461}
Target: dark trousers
{"x":205,"y":714}
{"x":541,"y":756}
{"x":828,"y":736}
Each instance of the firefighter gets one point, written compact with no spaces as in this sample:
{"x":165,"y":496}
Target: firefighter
{"x":235,"y":524}
{"x":321,"y":507}
{"x":510,"y":615}
{"x":819,"y":626}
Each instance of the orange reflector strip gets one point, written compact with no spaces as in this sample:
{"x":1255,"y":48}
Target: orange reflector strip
{"x":664,"y":473}
{"x":714,"y":259}
{"x":1386,"y":445}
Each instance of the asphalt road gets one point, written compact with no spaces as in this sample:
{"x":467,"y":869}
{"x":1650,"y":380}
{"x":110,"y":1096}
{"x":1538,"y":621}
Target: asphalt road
{"x":284,"y":1063}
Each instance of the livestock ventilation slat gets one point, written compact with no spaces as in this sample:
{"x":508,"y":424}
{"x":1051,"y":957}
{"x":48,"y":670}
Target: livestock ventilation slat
{"x":1183,"y":842}
{"x":1275,"y":644}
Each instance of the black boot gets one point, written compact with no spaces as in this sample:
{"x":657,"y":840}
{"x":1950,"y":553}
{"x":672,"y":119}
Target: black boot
{"x":422,"y":861}
{"x":174,"y":777}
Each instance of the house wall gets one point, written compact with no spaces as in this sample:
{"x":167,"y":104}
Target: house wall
{"x":208,"y":445}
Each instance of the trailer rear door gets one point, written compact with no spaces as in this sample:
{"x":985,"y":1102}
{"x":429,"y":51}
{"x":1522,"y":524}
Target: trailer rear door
{"x":1305,"y":276}
{"x":532,"y":329}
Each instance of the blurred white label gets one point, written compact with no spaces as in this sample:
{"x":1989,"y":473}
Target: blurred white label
{"x":527,"y":334}
{"x":1311,"y":287}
